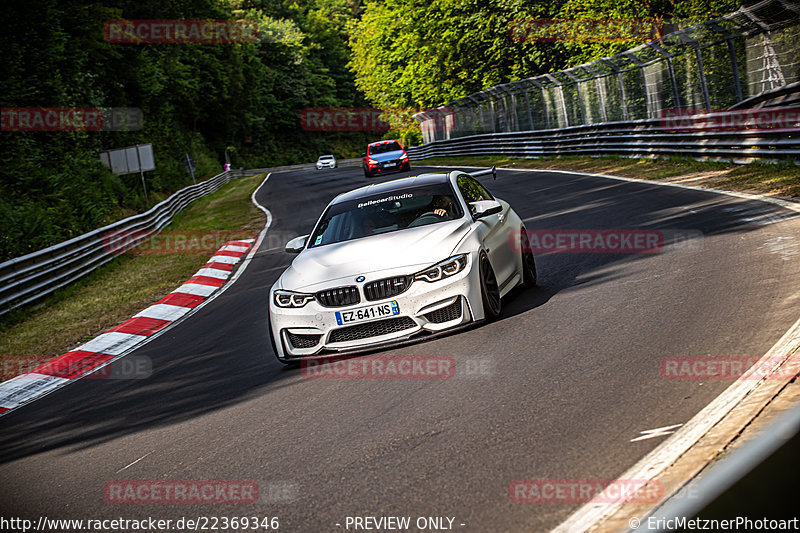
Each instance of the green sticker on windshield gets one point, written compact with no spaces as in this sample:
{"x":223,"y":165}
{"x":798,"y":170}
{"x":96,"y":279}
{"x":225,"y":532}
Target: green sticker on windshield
{"x":319,"y":240}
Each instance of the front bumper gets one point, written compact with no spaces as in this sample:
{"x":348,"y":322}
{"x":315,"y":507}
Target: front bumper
{"x":423,"y":308}
{"x":387,"y":167}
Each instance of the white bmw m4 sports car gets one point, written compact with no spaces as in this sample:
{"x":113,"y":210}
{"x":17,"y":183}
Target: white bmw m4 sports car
{"x":395,"y":260}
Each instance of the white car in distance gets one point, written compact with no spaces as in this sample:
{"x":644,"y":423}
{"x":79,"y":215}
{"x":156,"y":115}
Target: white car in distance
{"x":326,"y":161}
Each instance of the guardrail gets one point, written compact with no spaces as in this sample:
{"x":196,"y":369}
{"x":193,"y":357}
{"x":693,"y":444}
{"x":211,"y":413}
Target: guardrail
{"x":28,"y":278}
{"x":639,"y":138}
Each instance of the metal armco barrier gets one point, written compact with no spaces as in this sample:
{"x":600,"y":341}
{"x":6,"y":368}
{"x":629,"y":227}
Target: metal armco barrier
{"x":641,"y":138}
{"x":28,"y":278}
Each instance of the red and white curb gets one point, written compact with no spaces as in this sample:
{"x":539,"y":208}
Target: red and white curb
{"x":99,"y":351}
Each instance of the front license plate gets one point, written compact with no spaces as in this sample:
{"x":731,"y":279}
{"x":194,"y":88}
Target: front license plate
{"x":387,"y":165}
{"x":365,"y":314}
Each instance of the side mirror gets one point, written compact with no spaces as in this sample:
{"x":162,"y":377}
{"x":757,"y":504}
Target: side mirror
{"x":364,"y":154}
{"x":296,"y":245}
{"x":484,"y":208}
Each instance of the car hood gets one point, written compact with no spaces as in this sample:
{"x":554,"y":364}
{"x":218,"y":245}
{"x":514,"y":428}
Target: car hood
{"x":388,"y":156}
{"x":341,"y":263}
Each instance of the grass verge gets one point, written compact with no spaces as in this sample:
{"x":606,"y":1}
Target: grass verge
{"x":779,"y":180}
{"x":129,"y":283}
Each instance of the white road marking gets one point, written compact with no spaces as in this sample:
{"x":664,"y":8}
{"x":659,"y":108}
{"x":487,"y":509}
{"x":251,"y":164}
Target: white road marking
{"x":111,"y":343}
{"x":20,"y":389}
{"x":658,"y":460}
{"x":164,"y":312}
{"x":133,"y":463}
{"x":196,"y":288}
{"x":34,"y":386}
{"x":234,"y":248}
{"x":224,"y":259}
{"x":658,"y":432}
{"x":213,"y":273}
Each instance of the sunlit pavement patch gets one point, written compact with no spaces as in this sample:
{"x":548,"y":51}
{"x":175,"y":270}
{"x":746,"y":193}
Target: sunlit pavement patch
{"x":121,"y":339}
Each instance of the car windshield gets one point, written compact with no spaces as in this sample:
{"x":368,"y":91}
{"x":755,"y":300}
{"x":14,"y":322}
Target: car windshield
{"x":386,"y":212}
{"x":383,"y":148}
{"x":324,"y":157}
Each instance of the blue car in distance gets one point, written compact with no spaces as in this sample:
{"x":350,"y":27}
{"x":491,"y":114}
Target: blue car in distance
{"x":383,"y":157}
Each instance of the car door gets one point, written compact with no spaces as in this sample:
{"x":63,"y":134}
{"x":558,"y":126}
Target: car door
{"x":493,"y":230}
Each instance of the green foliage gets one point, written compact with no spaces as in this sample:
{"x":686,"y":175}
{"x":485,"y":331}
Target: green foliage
{"x":412,"y":53}
{"x":399,"y":55}
{"x":196,"y":98}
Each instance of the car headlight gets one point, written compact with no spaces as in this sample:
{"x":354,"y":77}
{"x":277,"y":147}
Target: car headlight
{"x":445,"y":269}
{"x":371,"y":161}
{"x":284,"y":298}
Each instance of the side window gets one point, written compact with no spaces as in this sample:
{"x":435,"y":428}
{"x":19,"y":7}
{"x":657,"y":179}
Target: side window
{"x":472,"y":191}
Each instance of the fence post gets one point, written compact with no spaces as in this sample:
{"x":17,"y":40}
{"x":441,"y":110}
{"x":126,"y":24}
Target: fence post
{"x":737,"y":81}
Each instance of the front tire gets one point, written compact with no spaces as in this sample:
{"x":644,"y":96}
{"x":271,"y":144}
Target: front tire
{"x":490,"y":290}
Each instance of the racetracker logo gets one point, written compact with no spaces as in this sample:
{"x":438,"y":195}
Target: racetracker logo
{"x":343,"y":119}
{"x":585,"y":490}
{"x":181,"y":492}
{"x":584,"y":241}
{"x":14,"y":365}
{"x":690,"y":120}
{"x":70,"y":119}
{"x":180,"y":31}
{"x":169,"y":242}
{"x":380,"y":367}
{"x":618,"y":30}
{"x":728,"y":368}
{"x":75,"y":364}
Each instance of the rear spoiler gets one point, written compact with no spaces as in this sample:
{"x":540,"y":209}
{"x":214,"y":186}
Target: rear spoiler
{"x":492,"y":171}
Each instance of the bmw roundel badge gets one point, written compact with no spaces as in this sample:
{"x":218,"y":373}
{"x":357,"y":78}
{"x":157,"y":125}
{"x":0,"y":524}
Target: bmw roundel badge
{"x":360,"y":279}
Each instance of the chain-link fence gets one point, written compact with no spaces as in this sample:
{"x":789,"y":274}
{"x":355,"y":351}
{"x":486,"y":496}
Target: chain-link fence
{"x":710,"y":66}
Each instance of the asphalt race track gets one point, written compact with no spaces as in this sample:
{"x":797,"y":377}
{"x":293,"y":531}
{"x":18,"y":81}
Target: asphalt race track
{"x":568,"y":375}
